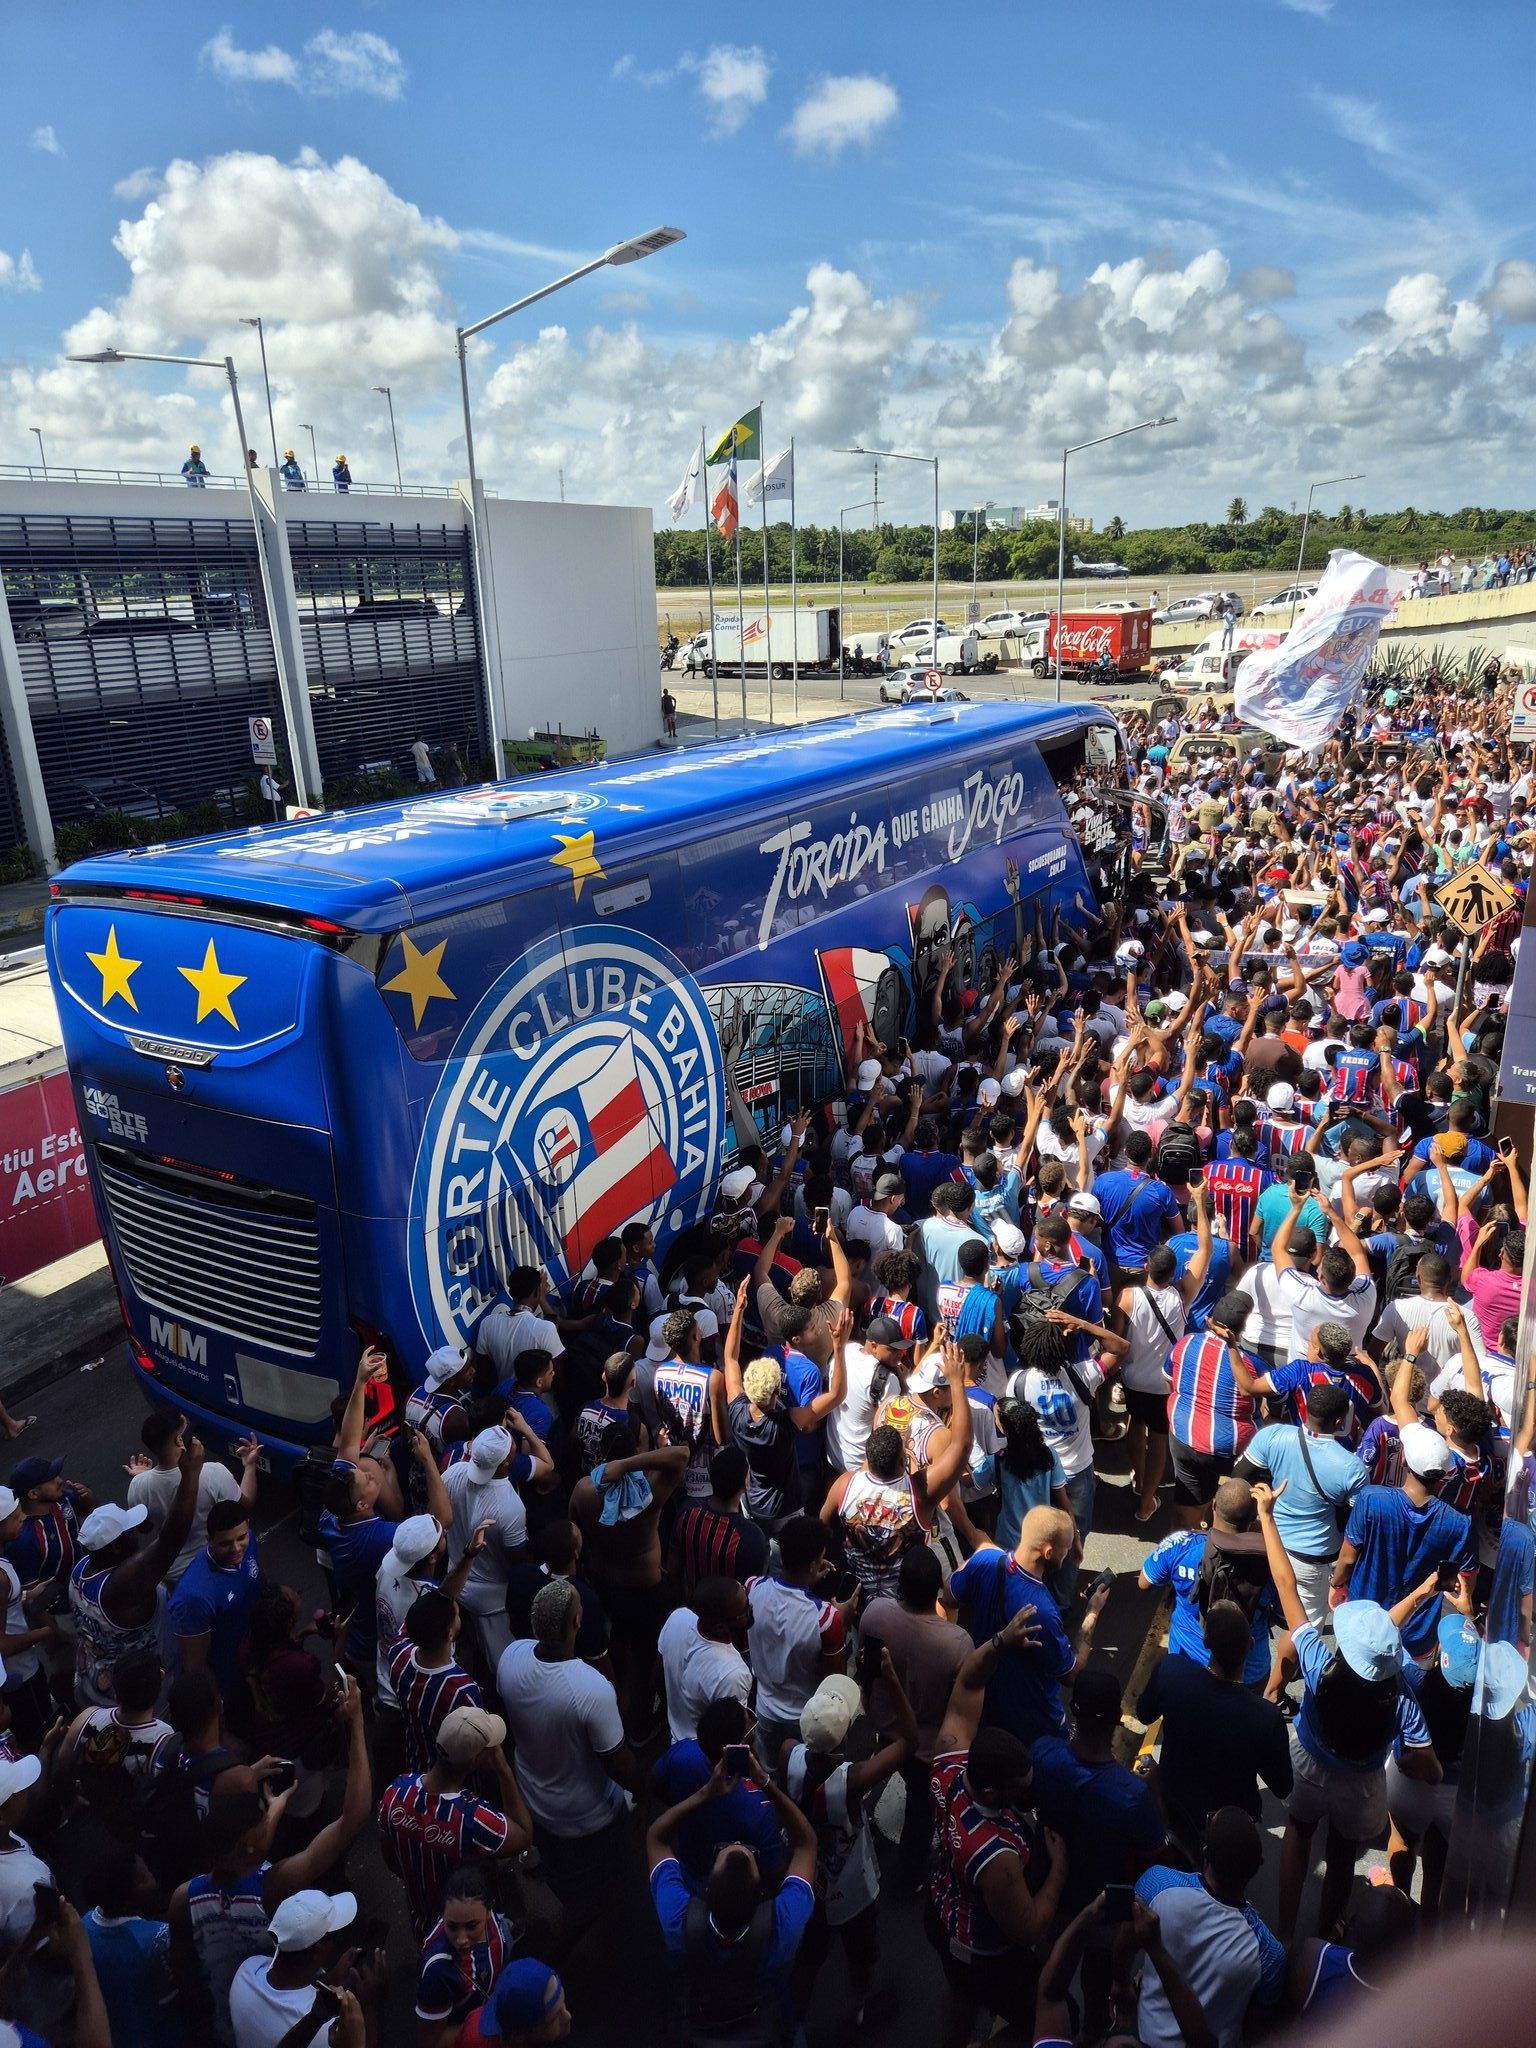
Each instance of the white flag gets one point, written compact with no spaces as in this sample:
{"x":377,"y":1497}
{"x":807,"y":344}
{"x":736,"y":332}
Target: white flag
{"x":1301,"y":689}
{"x":688,"y":491}
{"x":776,"y":478}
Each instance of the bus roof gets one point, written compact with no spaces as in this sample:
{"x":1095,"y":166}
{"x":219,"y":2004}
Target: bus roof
{"x":387,"y":865}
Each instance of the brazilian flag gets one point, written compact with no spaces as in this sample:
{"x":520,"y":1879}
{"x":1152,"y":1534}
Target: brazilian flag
{"x":745,"y":440}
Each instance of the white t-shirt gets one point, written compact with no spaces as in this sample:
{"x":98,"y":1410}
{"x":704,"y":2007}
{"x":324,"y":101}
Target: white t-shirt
{"x":1049,"y":1146}
{"x":848,"y":1426}
{"x":157,"y":1490}
{"x":1310,"y":1306}
{"x":19,"y":1664}
{"x":1413,"y":1312}
{"x":790,"y":1625}
{"x":475,"y":1500}
{"x":880,"y":1233}
{"x":1144,"y":1116}
{"x":1065,"y":1420}
{"x":1498,"y":1387}
{"x":1144,"y":1369}
{"x":696,"y":1669}
{"x":1270,"y":1323}
{"x":505,"y":1335}
{"x":396,"y":1589}
{"x":564,"y":1718}
{"x":260,"y":2014}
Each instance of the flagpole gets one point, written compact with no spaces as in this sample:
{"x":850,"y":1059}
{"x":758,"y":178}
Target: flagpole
{"x":762,"y":485}
{"x":709,"y":579}
{"x":741,"y":612}
{"x":794,"y":614}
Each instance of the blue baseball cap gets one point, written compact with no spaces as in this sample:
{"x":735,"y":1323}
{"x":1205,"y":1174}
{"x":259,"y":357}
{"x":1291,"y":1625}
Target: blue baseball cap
{"x":1460,"y":1646}
{"x":33,"y":1472}
{"x":525,"y":1993}
{"x":1368,"y":1639}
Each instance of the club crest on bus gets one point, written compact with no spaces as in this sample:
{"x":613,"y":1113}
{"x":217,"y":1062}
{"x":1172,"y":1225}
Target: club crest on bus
{"x":584,"y":1093}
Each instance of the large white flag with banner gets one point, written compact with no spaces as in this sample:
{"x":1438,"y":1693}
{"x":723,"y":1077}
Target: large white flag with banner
{"x":1301,"y":689}
{"x":776,"y":478}
{"x":690,"y":490}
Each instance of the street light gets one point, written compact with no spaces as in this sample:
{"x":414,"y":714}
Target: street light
{"x":42,"y":452}
{"x":112,"y":355}
{"x":1321,"y":485}
{"x":1168,"y":419}
{"x":387,"y":395}
{"x":261,"y":335}
{"x":976,"y":518}
{"x":631,"y":251}
{"x":898,"y":455}
{"x":314,"y":459}
{"x":863,"y":505}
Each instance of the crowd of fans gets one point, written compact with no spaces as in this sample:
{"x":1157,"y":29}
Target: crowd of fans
{"x":689,"y":1572}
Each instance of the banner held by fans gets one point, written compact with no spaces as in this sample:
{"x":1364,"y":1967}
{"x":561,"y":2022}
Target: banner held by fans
{"x":1301,"y":689}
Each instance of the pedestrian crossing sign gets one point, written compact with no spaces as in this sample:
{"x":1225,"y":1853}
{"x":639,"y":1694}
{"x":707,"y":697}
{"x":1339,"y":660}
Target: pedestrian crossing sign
{"x":1474,"y":896}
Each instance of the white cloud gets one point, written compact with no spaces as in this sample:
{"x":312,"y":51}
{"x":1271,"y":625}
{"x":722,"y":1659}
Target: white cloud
{"x":17,"y":274}
{"x":138,"y":184}
{"x":1359,"y":121}
{"x":1318,"y":9}
{"x":46,"y":140}
{"x":329,"y":64}
{"x":732,"y":81}
{"x":1512,"y":293}
{"x":839,"y":111}
{"x":1261,"y":281}
{"x":628,"y":67}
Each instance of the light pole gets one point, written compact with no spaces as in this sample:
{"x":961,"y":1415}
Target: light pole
{"x":977,"y":512}
{"x":112,"y":355}
{"x":1168,"y":419}
{"x":314,"y":459}
{"x":42,"y":452}
{"x":621,"y":252}
{"x":387,"y":395}
{"x":863,"y":505}
{"x":1321,"y":485}
{"x":898,"y":455}
{"x":248,"y":320}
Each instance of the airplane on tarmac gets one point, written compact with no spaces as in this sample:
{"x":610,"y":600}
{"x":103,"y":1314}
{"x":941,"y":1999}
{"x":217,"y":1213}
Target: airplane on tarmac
{"x":1081,"y":568}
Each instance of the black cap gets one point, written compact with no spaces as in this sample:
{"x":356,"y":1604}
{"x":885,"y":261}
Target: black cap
{"x":886,"y":1330}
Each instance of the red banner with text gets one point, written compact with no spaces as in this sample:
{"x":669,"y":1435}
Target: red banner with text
{"x":45,"y":1199}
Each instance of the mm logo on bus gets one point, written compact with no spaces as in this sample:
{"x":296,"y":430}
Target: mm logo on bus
{"x":180,"y":1342}
{"x":584,"y":1093}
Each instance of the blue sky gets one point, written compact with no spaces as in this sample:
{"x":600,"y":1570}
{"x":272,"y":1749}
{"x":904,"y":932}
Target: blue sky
{"x":1303,"y":227}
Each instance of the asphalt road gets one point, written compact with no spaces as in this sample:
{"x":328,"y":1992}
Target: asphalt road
{"x":615,"y":1978}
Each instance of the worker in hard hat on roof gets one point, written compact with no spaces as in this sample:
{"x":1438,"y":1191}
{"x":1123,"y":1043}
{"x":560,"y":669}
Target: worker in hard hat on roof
{"x":291,"y":474}
{"x":341,"y":476}
{"x":194,"y":471}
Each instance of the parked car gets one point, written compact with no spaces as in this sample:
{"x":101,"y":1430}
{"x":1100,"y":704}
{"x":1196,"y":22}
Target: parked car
{"x":395,"y":608}
{"x":1202,"y":606}
{"x":996,"y":624}
{"x":1294,"y":595}
{"x":96,"y":794}
{"x":1120,"y":604}
{"x":136,"y":628}
{"x":917,"y":633}
{"x":47,"y":618}
{"x":919,"y":686}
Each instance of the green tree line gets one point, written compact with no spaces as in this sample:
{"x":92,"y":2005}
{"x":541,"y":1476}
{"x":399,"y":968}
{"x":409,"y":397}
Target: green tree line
{"x":904,"y":554}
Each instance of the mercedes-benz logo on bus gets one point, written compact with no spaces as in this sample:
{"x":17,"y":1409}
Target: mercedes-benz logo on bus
{"x":584,"y":1093}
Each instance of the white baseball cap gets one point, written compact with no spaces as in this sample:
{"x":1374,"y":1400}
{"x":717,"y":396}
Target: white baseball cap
{"x":105,"y":1524}
{"x":417,"y":1537}
{"x":19,"y":1775}
{"x":307,"y":1917}
{"x":1376,"y":916}
{"x":1087,"y":1204}
{"x":444,"y":1362}
{"x":1281,"y":1096}
{"x":868,"y":1074}
{"x":735,"y":1185}
{"x":830,"y":1712}
{"x":988,"y":1092}
{"x":1009,"y":1239}
{"x":490,"y":1449}
{"x":7,"y":1503}
{"x":1425,"y":1452}
{"x":1014,"y":1081}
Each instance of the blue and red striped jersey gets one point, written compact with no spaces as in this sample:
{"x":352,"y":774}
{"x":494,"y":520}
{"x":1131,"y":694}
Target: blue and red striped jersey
{"x":1356,"y":1077}
{"x":970,"y":1837}
{"x":1234,"y":1186}
{"x":914,"y":1323}
{"x":455,"y":1982}
{"x":426,"y":1698}
{"x":422,"y":1837}
{"x":1299,"y":1374}
{"x":1205,"y":1408}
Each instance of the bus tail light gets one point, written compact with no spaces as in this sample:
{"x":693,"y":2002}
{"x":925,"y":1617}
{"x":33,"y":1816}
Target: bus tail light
{"x":141,"y":1357}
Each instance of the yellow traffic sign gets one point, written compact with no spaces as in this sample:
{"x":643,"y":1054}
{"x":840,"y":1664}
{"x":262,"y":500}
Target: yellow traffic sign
{"x":1475,"y":896}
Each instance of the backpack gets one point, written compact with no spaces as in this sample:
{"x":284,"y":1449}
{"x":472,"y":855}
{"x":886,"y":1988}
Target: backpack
{"x":1178,"y":1152}
{"x":1402,"y":1276}
{"x":311,"y":1477}
{"x":1232,"y":1567}
{"x":170,"y":1828}
{"x":1039,"y":1294}
{"x":728,"y":2001}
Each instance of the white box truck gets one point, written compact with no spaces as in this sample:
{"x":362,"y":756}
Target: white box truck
{"x":781,"y":639}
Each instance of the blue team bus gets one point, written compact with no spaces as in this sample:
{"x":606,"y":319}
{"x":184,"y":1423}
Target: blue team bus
{"x":338,"y":1076}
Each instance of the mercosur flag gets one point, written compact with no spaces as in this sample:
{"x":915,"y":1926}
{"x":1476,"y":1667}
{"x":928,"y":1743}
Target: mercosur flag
{"x":776,"y":479}
{"x":1301,"y":689}
{"x":688,"y":491}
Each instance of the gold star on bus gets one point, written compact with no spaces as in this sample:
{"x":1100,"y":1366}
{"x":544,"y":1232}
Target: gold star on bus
{"x":214,"y":987}
{"x":579,"y":860}
{"x":115,"y":971}
{"x":420,"y":978}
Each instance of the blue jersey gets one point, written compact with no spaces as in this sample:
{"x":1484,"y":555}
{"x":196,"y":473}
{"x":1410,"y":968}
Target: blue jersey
{"x":1399,"y":1545}
{"x":1356,"y":1077}
{"x":1135,"y":1208}
{"x":1214,"y":1285}
{"x":210,"y":1600}
{"x":1176,"y":1563}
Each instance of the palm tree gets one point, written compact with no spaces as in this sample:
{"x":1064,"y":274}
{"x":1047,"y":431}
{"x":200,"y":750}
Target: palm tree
{"x":1237,"y":512}
{"x":1345,"y":519}
{"x":1115,"y":529}
{"x":1408,"y":520}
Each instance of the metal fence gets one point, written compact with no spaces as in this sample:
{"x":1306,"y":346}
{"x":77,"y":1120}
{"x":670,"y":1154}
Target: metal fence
{"x":11,"y":832}
{"x":56,"y":473}
{"x":144,"y":648}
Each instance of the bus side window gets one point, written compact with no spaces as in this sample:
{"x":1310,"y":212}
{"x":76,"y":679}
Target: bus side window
{"x":727,"y":887}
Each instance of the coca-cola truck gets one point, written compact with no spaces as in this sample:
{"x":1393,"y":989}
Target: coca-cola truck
{"x":1086,"y":637}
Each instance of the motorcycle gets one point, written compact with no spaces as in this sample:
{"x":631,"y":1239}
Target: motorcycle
{"x":669,"y":652}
